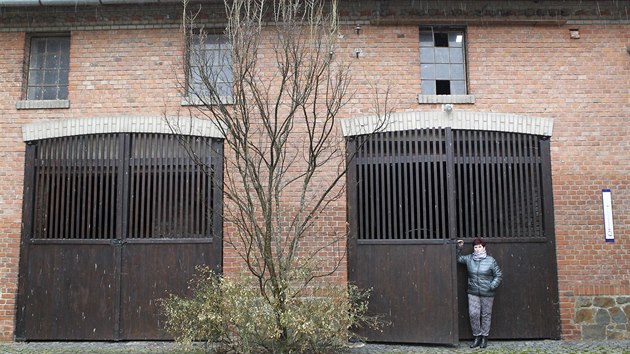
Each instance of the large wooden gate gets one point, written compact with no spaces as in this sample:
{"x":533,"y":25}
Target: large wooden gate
{"x":112,"y":223}
{"x":411,"y":194}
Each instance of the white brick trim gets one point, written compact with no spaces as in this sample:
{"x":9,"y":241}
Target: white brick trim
{"x":455,"y":120}
{"x":125,"y":124}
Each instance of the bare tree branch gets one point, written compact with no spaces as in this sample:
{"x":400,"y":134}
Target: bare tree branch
{"x":274,"y":86}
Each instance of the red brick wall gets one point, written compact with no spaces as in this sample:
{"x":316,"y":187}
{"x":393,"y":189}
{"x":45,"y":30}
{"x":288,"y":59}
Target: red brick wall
{"x":124,"y":72}
{"x":527,"y":70}
{"x":582,"y":84}
{"x":112,"y":73}
{"x":11,"y":170}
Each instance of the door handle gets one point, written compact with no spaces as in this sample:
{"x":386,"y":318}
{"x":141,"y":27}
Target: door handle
{"x":118,"y":242}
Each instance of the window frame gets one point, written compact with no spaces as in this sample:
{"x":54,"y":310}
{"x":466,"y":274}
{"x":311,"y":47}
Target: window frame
{"x":434,"y":97}
{"x":38,"y":102}
{"x":192,"y":48}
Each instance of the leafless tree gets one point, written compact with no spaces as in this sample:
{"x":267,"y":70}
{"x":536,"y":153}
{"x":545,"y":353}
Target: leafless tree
{"x":274,"y":85}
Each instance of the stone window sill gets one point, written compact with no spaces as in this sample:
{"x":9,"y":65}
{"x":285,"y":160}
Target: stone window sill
{"x":42,"y":104}
{"x":196,"y":101}
{"x":429,"y":99}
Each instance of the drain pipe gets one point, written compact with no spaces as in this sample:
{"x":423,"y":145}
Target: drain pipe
{"x":78,"y":2}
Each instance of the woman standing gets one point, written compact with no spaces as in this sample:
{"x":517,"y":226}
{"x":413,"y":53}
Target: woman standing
{"x":484,"y":276}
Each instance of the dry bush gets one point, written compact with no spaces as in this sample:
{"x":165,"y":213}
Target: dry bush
{"x":229,"y":313}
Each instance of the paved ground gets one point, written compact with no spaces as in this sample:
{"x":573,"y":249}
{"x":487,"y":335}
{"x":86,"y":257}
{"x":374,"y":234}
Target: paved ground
{"x":494,"y":347}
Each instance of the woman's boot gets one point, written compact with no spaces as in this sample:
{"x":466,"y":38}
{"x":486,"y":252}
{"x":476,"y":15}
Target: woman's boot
{"x":477,"y":342}
{"x":484,"y":342}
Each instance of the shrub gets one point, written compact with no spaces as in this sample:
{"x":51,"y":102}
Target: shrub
{"x":231,"y":314}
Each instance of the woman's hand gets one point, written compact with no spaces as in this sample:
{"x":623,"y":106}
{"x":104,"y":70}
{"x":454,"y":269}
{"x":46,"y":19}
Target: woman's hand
{"x":460,"y":243}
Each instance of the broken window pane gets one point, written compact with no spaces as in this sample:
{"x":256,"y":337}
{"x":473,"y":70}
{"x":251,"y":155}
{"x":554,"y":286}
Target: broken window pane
{"x":442,"y":57}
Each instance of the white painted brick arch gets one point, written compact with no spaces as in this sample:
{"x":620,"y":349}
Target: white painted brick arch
{"x":123,"y":124}
{"x":455,"y":119}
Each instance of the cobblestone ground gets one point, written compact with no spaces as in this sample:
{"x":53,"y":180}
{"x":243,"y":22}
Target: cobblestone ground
{"x":494,"y":347}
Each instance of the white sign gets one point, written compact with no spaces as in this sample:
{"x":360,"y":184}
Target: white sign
{"x":608,"y":215}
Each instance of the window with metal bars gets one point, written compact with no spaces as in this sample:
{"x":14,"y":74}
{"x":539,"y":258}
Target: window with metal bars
{"x":114,"y":186}
{"x":210,"y":67}
{"x":444,"y":184}
{"x":48,"y":67}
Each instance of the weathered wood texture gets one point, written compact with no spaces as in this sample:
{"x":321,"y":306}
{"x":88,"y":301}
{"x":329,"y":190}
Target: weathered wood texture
{"x":412,"y":290}
{"x":114,"y":223}
{"x":413,"y":193}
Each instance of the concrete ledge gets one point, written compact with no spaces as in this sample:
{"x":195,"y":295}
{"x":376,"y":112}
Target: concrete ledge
{"x":198,"y":101}
{"x":423,"y":99}
{"x":42,"y":104}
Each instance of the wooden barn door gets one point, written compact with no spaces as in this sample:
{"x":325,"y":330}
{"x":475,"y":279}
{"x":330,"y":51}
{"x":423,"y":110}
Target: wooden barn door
{"x":174,"y":225}
{"x":399,"y":234}
{"x":411,"y":194}
{"x":112,"y":223}
{"x":503,"y":194}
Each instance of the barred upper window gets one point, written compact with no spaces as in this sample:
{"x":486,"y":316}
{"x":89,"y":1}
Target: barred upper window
{"x":442,"y":60}
{"x":449,"y":183}
{"x":125,"y":186}
{"x":49,"y":64}
{"x":210,"y":66}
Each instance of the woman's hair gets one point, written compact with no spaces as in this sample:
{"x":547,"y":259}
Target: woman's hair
{"x":479,"y":241}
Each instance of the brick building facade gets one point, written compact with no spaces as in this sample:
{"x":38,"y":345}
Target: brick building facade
{"x":563,"y":62}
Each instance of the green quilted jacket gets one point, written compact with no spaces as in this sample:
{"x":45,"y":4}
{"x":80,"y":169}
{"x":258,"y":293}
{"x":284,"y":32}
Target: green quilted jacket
{"x":484,"y":276}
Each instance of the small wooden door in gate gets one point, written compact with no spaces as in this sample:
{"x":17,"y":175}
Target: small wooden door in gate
{"x":413,"y":290}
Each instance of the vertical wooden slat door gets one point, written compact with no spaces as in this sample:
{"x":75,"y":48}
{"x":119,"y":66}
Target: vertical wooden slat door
{"x":503,"y":194}
{"x":411,"y":194}
{"x":166,"y":237}
{"x":68,"y":275}
{"x":112,"y":223}
{"x":399,"y":245}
